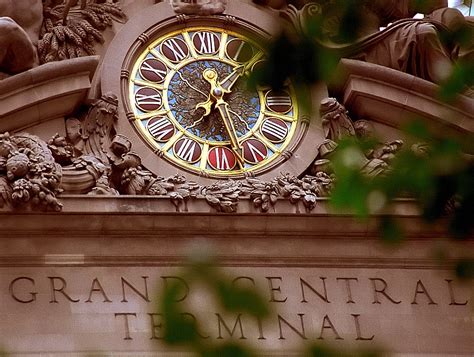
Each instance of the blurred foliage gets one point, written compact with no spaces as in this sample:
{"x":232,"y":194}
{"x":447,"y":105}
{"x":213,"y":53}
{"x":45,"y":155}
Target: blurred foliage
{"x":437,"y":172}
{"x":183,"y":329}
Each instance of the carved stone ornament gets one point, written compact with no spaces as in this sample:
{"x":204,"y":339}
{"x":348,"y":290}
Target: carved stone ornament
{"x":93,"y":159}
{"x":414,"y":46}
{"x":336,"y":125}
{"x":29,"y":175}
{"x":198,"y":7}
{"x":69,"y":34}
{"x":34,"y":32}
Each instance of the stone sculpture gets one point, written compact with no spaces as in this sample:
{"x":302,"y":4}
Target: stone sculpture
{"x":66,"y":34}
{"x":409,"y":45}
{"x":198,"y":7}
{"x":414,"y":46}
{"x":338,"y":125}
{"x":20,"y":23}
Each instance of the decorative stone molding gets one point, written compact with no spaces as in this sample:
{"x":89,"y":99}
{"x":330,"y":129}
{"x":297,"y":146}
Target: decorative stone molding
{"x":53,"y":90}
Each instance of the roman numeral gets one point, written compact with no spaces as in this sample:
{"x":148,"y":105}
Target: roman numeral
{"x":187,"y":150}
{"x":161,"y":129}
{"x":254,"y":151}
{"x":279,"y":101}
{"x":221,"y":158}
{"x":148,"y":99}
{"x":273,"y":130}
{"x":147,"y":67}
{"x":176,"y":51}
{"x":207,"y":42}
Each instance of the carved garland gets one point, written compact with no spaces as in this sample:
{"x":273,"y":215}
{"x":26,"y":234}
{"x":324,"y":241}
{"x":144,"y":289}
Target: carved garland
{"x":93,"y":159}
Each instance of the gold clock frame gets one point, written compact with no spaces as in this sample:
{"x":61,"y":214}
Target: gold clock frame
{"x":159,"y":20}
{"x":207,"y":145}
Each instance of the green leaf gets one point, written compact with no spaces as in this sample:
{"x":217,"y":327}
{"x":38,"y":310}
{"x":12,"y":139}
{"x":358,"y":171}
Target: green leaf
{"x":465,"y":269}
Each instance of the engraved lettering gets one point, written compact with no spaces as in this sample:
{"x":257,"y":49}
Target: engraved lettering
{"x":32,"y":295}
{"x":260,"y":329}
{"x":155,"y":326}
{"x":350,"y":300}
{"x":452,"y":296}
{"x":358,"y":329}
{"x":378,"y":290}
{"x":274,"y":289}
{"x":97,"y":287}
{"x":54,"y":289}
{"x":327,"y":324}
{"x":178,"y":282}
{"x":244,"y":278}
{"x":194,"y":322}
{"x":144,"y":295}
{"x":300,"y":333}
{"x":323,"y":297}
{"x":126,"y":322}
{"x":420,"y":289}
{"x":238,"y":322}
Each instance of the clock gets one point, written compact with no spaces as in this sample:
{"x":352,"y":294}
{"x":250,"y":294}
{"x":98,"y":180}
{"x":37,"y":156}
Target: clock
{"x":185,"y":95}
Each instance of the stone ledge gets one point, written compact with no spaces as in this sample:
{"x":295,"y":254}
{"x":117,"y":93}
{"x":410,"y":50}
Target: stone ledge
{"x":46,"y":92}
{"x":123,"y":216}
{"x":370,"y":91}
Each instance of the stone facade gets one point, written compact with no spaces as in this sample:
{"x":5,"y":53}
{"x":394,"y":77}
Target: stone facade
{"x":94,"y":219}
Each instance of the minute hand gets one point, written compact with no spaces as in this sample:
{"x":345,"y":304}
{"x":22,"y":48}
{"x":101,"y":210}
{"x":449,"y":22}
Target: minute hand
{"x":223,"y":108}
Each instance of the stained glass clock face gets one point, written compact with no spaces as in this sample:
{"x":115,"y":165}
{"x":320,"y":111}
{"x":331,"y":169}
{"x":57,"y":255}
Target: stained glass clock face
{"x":191,"y":103}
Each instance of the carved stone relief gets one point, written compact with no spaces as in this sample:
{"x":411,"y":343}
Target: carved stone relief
{"x":336,"y":125}
{"x":94,"y":159}
{"x":34,"y":32}
{"x":29,"y":175}
{"x":71,"y":30}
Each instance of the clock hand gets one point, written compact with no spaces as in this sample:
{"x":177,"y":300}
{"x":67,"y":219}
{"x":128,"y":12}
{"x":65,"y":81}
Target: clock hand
{"x":216,"y":94}
{"x":223,"y":108}
{"x":228,"y":82}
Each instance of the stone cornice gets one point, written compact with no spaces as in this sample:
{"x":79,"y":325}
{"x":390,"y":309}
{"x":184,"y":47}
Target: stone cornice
{"x":127,"y":216}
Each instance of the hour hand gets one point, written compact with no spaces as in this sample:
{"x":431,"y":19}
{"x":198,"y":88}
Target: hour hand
{"x":207,"y":106}
{"x":228,"y":82}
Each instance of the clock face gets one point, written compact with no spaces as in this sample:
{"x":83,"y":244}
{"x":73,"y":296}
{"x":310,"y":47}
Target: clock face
{"x":191,"y":104}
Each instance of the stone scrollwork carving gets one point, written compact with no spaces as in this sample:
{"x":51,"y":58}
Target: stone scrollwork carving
{"x":29,"y":175}
{"x":299,"y":17}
